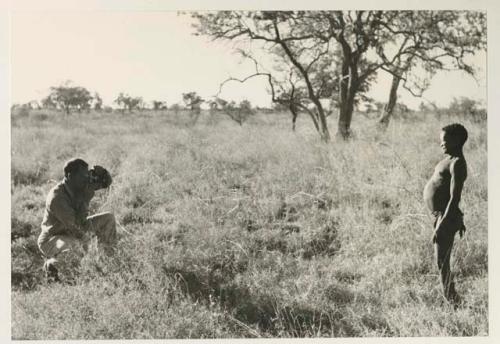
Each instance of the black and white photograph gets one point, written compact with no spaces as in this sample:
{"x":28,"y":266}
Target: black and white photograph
{"x":249,"y":173}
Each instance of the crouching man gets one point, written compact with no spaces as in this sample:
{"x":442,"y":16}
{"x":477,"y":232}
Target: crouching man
{"x":66,"y":224}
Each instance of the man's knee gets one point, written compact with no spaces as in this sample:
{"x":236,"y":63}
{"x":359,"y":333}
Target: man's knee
{"x":109,"y":219}
{"x":56,"y":245}
{"x":102,"y":220}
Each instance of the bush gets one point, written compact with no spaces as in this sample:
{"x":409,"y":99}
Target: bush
{"x":467,"y":108}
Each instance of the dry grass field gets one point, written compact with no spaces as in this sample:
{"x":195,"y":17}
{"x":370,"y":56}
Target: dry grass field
{"x":251,"y":231}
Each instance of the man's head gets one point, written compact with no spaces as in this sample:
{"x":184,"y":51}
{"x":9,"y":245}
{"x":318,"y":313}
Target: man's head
{"x":76,"y":172}
{"x":453,"y":137}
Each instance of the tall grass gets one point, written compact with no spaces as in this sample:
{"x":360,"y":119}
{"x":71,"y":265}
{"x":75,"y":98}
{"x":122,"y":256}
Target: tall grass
{"x":251,"y":231}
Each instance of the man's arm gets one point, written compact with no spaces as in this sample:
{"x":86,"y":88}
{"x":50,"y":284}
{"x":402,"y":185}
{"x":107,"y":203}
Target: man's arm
{"x":62,"y":210}
{"x":458,"y":172}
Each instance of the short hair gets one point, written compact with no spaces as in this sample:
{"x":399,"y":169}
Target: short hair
{"x":74,"y":165}
{"x":458,"y":131}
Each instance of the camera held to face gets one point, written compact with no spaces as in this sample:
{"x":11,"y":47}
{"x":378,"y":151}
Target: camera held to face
{"x":93,"y":177}
{"x":99,"y":177}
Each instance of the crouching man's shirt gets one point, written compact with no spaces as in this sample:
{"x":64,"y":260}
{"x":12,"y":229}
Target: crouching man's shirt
{"x":65,"y":213}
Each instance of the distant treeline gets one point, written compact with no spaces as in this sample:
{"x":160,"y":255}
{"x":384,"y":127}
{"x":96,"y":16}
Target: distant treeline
{"x":68,"y":99}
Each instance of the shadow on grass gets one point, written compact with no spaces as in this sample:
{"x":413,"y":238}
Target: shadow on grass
{"x":323,"y":243}
{"x":256,"y":309}
{"x":26,"y":267}
{"x":25,"y":280}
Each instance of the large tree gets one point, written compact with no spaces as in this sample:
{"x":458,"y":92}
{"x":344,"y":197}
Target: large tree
{"x":356,"y":33}
{"x":324,"y":48}
{"x":277,"y":32}
{"x":420,"y":43}
{"x":348,"y":48}
{"x":289,"y":89}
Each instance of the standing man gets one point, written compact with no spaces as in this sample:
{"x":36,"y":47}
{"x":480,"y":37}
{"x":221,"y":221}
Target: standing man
{"x":442,"y":195}
{"x":66,"y":222}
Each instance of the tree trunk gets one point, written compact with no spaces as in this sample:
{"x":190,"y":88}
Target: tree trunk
{"x":348,"y":88}
{"x":319,"y":123}
{"x":293,"y":110}
{"x":325,"y":134}
{"x":345,"y":117}
{"x":383,"y":121}
{"x":343,"y":127}
{"x":315,"y":121}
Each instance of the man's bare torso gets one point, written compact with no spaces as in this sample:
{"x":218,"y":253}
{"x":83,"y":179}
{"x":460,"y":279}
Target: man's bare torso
{"x":437,"y":189}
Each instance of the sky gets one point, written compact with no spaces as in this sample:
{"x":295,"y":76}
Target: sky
{"x":156,"y":56}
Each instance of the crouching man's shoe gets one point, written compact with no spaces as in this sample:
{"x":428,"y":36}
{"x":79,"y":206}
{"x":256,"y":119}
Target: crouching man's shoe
{"x":51,"y":274}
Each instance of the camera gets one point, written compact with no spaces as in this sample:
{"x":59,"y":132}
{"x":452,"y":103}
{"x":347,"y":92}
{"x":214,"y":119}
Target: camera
{"x":93,"y":177}
{"x":99,"y":177}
